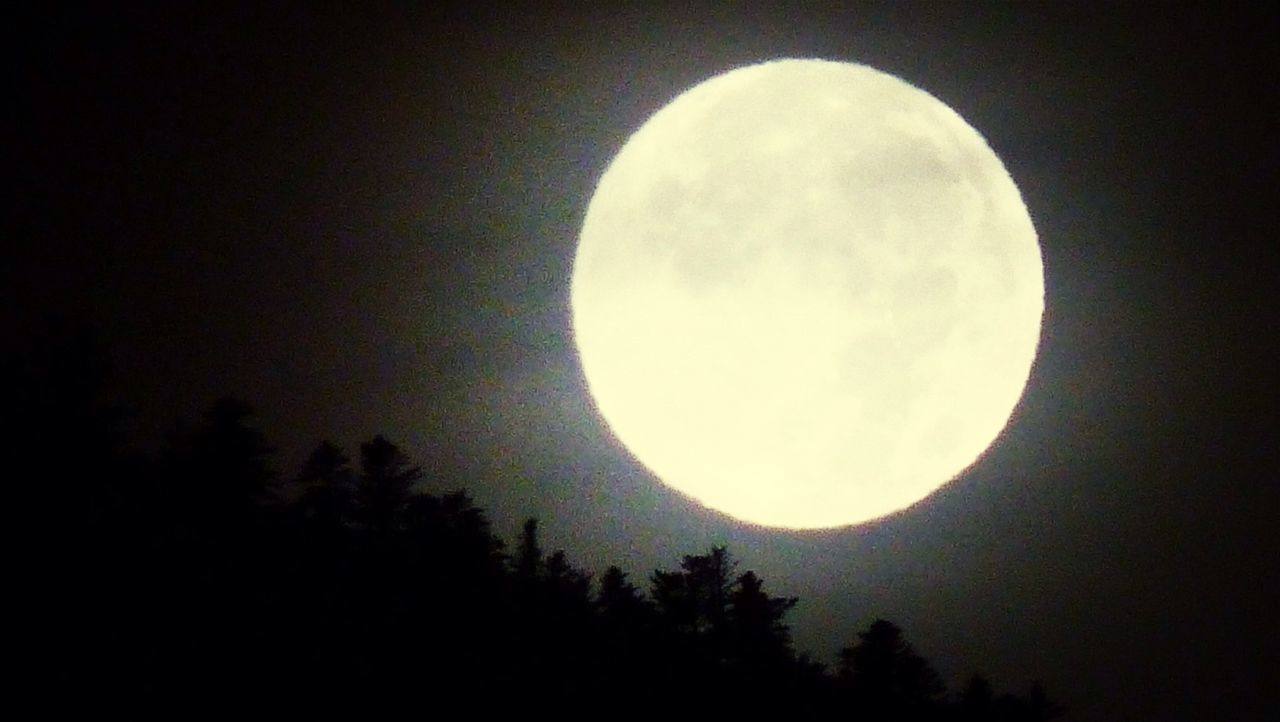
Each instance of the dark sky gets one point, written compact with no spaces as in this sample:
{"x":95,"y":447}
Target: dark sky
{"x":363,"y":222}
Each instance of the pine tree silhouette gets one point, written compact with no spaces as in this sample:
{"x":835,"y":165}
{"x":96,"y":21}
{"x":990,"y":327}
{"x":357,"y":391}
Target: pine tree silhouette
{"x":385,"y":485}
{"x":365,"y":588}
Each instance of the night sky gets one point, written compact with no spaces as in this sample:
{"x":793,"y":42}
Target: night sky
{"x":364,"y":222}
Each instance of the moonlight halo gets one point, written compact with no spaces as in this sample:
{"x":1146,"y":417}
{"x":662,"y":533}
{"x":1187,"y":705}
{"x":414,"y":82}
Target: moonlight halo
{"x":807,"y":294}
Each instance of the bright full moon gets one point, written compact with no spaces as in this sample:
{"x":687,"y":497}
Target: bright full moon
{"x":807,"y":294}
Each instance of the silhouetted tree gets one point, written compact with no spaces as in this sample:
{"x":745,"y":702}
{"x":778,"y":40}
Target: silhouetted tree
{"x":1040,"y":706}
{"x":695,"y":600}
{"x":758,"y":635}
{"x":886,"y":677}
{"x":451,"y":531}
{"x":385,"y":485}
{"x":226,"y":466}
{"x":976,"y":699}
{"x":568,"y":584}
{"x":620,"y":603}
{"x":528,"y":561}
{"x":448,"y":576}
{"x":368,"y":588}
{"x":1035,"y":707}
{"x":328,"y":486}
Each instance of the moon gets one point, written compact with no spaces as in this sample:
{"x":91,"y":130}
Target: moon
{"x":806,"y":294}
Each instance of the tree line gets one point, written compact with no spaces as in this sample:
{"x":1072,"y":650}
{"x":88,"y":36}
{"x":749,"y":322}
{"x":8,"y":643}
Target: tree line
{"x":204,"y":576}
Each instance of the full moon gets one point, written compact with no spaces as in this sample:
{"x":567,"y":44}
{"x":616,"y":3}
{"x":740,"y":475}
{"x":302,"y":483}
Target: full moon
{"x":807,"y":294}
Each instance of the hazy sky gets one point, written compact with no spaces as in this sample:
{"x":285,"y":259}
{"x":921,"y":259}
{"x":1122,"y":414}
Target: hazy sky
{"x":364,"y":222}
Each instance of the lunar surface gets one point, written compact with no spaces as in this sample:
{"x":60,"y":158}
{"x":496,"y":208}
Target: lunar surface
{"x":806,"y":294}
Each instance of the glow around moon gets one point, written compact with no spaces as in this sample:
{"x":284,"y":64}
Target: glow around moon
{"x":807,"y":294}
